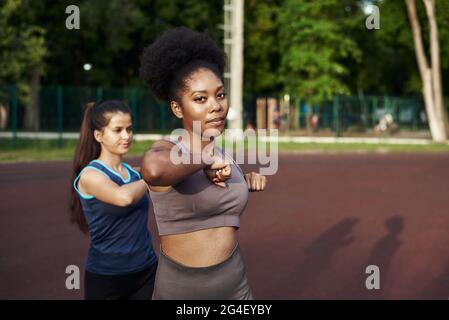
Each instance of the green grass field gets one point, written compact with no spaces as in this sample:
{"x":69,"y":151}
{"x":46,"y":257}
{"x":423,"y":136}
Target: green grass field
{"x":45,"y":150}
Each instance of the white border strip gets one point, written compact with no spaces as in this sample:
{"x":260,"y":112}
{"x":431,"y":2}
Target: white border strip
{"x":40,"y":135}
{"x":349,"y":140}
{"x":147,"y":137}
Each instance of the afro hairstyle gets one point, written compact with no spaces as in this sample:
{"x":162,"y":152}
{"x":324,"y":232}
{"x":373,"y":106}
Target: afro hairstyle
{"x":177,"y":53}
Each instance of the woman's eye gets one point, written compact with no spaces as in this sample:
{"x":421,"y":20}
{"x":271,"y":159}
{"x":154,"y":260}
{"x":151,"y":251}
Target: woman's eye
{"x":200,"y":99}
{"x":222,"y":95}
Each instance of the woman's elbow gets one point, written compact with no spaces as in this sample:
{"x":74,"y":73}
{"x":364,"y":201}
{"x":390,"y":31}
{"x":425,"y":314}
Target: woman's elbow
{"x":125,"y":200}
{"x":150,"y":173}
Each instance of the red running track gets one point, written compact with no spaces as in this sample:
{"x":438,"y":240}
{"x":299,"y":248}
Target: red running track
{"x":321,"y":221}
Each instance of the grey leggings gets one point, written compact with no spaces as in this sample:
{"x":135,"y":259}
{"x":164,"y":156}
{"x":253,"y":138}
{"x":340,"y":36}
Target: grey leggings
{"x":223,"y":281}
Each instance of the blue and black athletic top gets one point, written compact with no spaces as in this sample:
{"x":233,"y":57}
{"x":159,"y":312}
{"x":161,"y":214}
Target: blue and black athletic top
{"x":120,"y":239}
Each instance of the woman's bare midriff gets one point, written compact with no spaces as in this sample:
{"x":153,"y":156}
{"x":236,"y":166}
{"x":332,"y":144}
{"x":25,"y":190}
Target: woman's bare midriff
{"x":201,"y":248}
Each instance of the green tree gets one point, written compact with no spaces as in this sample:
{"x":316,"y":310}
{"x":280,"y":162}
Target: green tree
{"x":261,"y":49}
{"x":430,"y":69}
{"x":113,"y":34}
{"x":22,"y":51}
{"x":388,"y":63}
{"x":314,"y":44}
{"x":22,"y":45}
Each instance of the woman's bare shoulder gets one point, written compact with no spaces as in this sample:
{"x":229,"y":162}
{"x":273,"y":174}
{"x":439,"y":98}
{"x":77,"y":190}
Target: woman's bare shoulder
{"x":91,"y":178}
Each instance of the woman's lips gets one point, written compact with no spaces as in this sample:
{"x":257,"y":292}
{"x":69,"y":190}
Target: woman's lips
{"x":216,"y":122}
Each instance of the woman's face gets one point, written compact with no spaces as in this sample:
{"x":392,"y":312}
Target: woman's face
{"x":203,"y":100}
{"x":117,"y":136}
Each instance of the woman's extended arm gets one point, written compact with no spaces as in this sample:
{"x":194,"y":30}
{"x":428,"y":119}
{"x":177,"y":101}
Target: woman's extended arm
{"x":104,"y":189}
{"x":158,"y":170}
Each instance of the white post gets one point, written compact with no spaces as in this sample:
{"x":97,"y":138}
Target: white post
{"x":234,"y":45}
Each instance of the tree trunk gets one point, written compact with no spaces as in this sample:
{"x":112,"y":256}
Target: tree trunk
{"x":435,"y":125}
{"x":3,"y":116}
{"x":436,"y":66}
{"x":430,"y":75}
{"x":31,"y":117}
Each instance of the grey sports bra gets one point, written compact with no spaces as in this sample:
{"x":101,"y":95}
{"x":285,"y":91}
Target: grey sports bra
{"x":196,"y":203}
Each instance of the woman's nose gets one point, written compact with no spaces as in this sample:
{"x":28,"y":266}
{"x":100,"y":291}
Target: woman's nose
{"x":215,"y":106}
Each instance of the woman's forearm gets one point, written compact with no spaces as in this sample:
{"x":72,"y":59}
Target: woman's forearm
{"x":158,"y":170}
{"x":132,"y":192}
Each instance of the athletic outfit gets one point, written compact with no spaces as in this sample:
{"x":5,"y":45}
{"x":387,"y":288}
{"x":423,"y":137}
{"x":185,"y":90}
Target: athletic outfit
{"x":121,"y":263}
{"x":195,"y":204}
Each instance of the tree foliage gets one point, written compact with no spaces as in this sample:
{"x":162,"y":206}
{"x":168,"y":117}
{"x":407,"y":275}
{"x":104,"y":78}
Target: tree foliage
{"x":313,"y":49}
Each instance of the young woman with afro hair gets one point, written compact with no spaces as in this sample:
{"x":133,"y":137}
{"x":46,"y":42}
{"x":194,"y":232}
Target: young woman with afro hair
{"x":197,"y":205}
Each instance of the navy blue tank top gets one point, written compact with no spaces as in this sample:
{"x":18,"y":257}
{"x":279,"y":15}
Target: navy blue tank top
{"x":120,"y":239}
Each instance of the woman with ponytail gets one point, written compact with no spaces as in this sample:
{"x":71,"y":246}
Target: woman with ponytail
{"x":110,"y":203}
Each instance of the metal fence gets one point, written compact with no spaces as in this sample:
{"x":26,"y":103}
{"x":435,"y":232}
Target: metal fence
{"x":61,"y":109}
{"x":343,"y":114}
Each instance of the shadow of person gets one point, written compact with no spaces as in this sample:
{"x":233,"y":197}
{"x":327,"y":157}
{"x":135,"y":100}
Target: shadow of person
{"x":381,"y":256}
{"x":318,"y":254}
{"x":439,"y":288}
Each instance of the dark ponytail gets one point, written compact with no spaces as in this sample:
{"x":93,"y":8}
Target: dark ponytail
{"x":96,"y":117}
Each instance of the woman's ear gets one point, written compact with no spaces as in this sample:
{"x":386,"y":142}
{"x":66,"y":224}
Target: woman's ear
{"x":176,"y":109}
{"x":98,"y":135}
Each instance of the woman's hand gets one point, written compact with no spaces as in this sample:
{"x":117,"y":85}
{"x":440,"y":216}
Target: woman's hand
{"x":218,"y":172}
{"x":255,"y":181}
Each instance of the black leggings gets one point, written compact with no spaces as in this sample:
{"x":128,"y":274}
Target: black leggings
{"x":132,"y":286}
